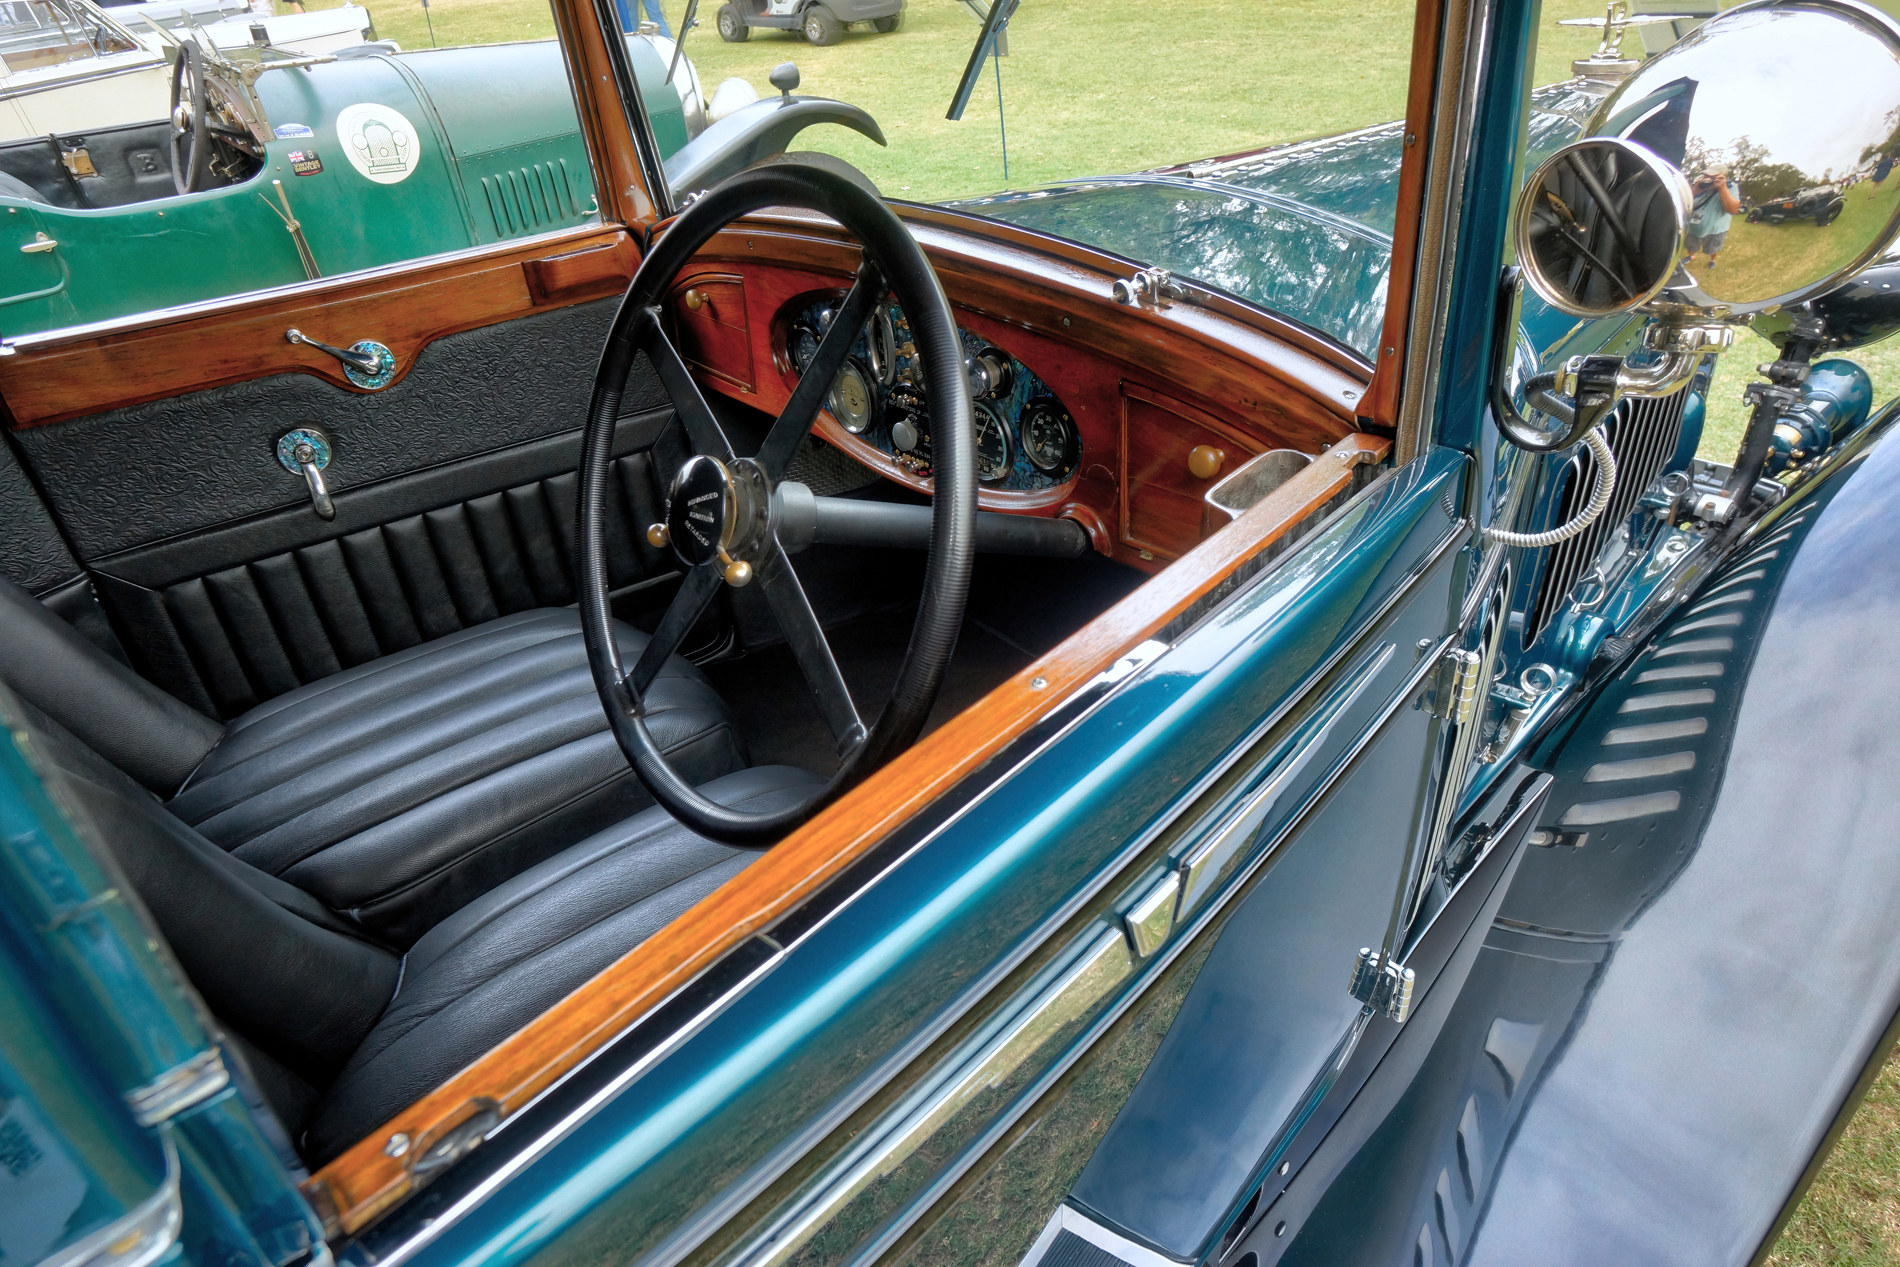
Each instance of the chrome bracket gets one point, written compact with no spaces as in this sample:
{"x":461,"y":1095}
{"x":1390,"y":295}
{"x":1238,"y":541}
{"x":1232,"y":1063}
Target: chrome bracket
{"x":1148,"y":288}
{"x":1382,"y":984}
{"x":305,"y":452}
{"x":178,"y":1088}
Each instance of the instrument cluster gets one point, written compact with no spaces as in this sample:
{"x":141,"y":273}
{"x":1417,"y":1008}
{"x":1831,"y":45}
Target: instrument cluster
{"x":1025,"y":438}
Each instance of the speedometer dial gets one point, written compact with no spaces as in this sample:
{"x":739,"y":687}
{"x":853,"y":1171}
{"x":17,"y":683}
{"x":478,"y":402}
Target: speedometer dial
{"x":851,"y":398}
{"x":1048,"y":435}
{"x":995,"y":443}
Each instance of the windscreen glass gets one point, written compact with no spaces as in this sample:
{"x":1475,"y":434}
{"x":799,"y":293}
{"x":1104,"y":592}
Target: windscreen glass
{"x":1252,"y":148}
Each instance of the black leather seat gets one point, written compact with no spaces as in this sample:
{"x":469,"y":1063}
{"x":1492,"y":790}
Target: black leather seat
{"x":340,"y":1032}
{"x":396,"y":791}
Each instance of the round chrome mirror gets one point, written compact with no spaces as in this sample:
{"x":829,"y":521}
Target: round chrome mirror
{"x":1783,"y":119}
{"x":1600,"y":227}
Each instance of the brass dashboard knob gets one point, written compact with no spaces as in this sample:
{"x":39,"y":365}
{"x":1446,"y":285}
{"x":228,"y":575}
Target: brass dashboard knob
{"x":658,"y":537}
{"x":1204,"y":461}
{"x":695,"y":299}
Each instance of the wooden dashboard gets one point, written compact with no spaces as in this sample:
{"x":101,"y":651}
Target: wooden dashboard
{"x":1164,"y":402}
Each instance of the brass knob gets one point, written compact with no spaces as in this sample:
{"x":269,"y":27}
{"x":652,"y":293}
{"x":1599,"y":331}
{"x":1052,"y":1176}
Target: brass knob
{"x":1204,"y":461}
{"x":658,"y":537}
{"x":695,"y":299}
{"x":738,"y":573}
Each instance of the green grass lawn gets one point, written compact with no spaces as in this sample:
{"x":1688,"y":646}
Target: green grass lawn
{"x":1093,"y":88}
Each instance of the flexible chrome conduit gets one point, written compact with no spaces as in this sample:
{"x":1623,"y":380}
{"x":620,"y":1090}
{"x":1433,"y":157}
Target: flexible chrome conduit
{"x":1599,"y":498}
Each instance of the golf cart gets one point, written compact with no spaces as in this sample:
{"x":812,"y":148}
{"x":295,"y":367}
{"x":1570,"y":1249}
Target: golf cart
{"x":821,"y":22}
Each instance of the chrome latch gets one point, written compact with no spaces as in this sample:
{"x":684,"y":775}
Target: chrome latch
{"x":1382,"y":984}
{"x":1149,"y":288}
{"x":305,"y":452}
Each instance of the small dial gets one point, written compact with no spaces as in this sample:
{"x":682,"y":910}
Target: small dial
{"x":851,"y":398}
{"x":883,"y":347}
{"x":1048,"y":435}
{"x":804,"y":346}
{"x":995,"y":444}
{"x":909,"y":425}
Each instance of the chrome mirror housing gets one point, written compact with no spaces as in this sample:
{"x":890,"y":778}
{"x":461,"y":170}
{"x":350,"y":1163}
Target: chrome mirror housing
{"x":1601,"y":227}
{"x":1733,"y":177}
{"x":1772,"y":120}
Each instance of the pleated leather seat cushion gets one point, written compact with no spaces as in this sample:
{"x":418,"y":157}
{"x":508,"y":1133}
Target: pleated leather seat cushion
{"x":401,"y":789}
{"x":510,"y":955}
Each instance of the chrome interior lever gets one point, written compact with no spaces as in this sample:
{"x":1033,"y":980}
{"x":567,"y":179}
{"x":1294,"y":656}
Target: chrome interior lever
{"x":362,"y":362}
{"x":305,"y":452}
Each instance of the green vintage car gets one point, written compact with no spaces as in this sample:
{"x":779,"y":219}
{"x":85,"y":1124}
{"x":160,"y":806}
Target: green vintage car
{"x":275,"y":168}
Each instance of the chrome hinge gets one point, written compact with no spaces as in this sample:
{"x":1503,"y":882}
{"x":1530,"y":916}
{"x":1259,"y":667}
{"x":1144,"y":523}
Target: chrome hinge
{"x":1149,"y":288}
{"x":1452,"y":692}
{"x":1382,"y":984}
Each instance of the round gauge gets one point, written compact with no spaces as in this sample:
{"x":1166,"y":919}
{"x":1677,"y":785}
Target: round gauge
{"x":851,"y":398}
{"x":803,"y":346}
{"x":883,"y":346}
{"x":1048,"y":435}
{"x":995,"y":443}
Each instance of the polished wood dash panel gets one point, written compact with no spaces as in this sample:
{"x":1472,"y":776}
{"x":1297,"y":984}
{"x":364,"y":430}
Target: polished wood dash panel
{"x":1161,"y":493}
{"x":714,"y":333}
{"x":365,"y":1181}
{"x":1200,"y":378}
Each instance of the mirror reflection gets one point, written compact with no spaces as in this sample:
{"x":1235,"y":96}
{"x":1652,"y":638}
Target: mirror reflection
{"x":1785,"y":122}
{"x":1601,"y":227}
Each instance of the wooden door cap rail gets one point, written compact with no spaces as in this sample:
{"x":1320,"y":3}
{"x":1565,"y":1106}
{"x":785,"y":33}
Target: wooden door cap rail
{"x":406,"y":307}
{"x":367,"y":1180}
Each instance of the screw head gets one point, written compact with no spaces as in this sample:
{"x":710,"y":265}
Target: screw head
{"x":1038,"y":683}
{"x":398,"y":1145}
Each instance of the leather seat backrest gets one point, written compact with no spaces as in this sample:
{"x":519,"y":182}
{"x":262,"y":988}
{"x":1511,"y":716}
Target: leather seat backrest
{"x":140,"y":729}
{"x":267,"y":957}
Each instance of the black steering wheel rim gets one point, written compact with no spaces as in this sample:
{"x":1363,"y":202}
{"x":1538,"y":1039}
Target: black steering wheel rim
{"x":190,"y":162}
{"x":891,"y":259}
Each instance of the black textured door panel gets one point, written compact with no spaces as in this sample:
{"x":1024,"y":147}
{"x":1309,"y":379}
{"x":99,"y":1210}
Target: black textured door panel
{"x":230,"y":618}
{"x":194,"y":463}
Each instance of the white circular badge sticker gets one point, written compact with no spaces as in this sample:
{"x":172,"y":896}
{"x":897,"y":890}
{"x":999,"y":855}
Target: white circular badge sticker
{"x":379,"y":142}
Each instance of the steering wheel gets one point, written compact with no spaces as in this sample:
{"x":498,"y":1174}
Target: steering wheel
{"x":720,"y":519}
{"x":191,"y":131}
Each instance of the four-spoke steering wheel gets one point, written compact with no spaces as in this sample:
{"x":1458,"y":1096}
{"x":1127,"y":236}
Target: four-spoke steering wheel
{"x":191,"y":129}
{"x":720,"y":507}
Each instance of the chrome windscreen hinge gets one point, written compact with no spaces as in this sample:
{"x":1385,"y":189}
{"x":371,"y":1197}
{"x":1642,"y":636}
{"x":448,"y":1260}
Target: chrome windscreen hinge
{"x":1382,"y":984}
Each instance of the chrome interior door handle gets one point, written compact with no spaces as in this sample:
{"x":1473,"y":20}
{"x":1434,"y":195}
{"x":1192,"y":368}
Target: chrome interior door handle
{"x":366,"y":362}
{"x":305,"y":452}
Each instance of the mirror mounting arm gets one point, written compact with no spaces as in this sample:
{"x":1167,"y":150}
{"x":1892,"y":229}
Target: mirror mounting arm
{"x":1579,"y":398}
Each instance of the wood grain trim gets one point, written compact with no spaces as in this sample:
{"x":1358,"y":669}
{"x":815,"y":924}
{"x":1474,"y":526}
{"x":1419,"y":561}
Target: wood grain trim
{"x":1381,"y":404}
{"x":365,"y":1181}
{"x":593,"y":272}
{"x":405,"y":309}
{"x":619,"y":178}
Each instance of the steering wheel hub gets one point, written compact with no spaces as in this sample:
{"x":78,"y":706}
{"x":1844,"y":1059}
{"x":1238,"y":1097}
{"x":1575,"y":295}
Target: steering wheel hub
{"x":700,"y":511}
